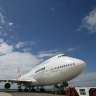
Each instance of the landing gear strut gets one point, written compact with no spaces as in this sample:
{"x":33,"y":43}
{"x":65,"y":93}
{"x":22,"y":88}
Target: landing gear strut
{"x":19,"y":88}
{"x":42,"y":89}
{"x":26,"y":90}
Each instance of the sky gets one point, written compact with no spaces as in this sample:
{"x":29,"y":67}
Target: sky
{"x":32,"y":31}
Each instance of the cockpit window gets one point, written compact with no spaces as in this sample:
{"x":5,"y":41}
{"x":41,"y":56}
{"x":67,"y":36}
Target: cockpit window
{"x":62,"y":56}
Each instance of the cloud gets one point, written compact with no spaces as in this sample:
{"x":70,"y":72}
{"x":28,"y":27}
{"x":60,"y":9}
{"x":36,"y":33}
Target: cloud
{"x":73,"y":48}
{"x":10,"y":60}
{"x":89,"y":22}
{"x":5,"y":48}
{"x":48,"y":53}
{"x":1,"y":40}
{"x":25,"y":43}
{"x":20,"y":44}
{"x":27,"y":49}
{"x":10,"y":23}
{"x":2,"y":21}
{"x":84,"y":80}
{"x":5,"y":25}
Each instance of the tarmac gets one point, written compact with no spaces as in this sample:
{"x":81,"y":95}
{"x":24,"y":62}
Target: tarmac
{"x":14,"y":92}
{"x":5,"y":94}
{"x":26,"y":94}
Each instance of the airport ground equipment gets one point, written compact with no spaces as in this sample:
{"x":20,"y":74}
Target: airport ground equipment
{"x":81,"y":91}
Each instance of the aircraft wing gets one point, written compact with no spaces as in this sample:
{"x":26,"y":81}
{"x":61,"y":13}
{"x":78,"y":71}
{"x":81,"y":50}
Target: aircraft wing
{"x":17,"y":81}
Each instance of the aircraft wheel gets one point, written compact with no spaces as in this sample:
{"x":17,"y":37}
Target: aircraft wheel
{"x":33,"y":90}
{"x":26,"y":90}
{"x":19,"y":90}
{"x":42,"y":90}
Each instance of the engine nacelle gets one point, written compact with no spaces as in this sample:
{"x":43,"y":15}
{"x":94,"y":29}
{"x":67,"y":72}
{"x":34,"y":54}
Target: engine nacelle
{"x":7,"y":85}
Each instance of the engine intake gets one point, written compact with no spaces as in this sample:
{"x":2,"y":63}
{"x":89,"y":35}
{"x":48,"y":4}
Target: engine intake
{"x":7,"y":85}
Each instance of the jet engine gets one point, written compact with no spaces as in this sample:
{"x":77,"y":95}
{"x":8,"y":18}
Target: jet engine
{"x":7,"y":85}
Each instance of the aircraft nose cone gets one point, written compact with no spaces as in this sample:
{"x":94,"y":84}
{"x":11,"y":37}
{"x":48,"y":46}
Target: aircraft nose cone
{"x":81,"y":65}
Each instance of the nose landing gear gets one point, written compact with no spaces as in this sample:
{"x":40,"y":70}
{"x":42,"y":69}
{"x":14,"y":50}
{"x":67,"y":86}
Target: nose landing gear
{"x":60,"y":89}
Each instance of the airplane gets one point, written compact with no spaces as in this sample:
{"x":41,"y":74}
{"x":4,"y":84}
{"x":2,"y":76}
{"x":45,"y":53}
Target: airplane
{"x":58,"y":69}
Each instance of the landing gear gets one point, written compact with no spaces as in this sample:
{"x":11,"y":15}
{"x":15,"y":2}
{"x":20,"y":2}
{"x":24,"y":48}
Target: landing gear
{"x":65,"y":84}
{"x":19,"y":88}
{"x":33,"y":90}
{"x":29,"y":89}
{"x":42,"y":89}
{"x":60,"y":89}
{"x":26,"y":90}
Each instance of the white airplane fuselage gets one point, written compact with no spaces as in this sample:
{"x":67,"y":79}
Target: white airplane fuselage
{"x":58,"y":69}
